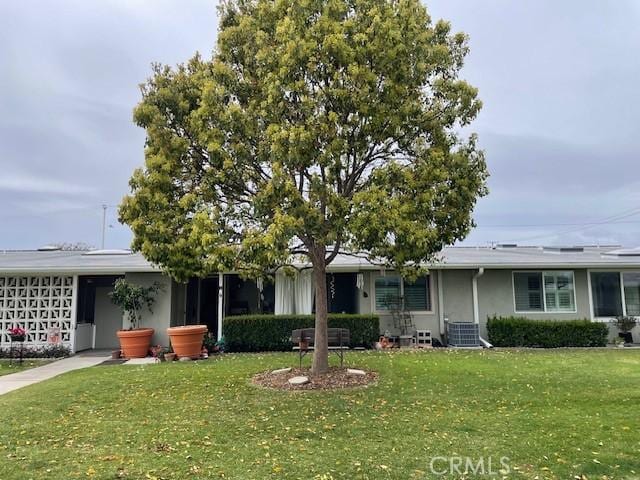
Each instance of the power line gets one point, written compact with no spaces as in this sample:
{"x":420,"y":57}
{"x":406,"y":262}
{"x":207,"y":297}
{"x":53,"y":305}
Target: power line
{"x":607,"y":220}
{"x":535,"y":225}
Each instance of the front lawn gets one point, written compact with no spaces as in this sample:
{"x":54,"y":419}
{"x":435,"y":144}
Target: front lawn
{"x":7,"y":367}
{"x":554,"y":414}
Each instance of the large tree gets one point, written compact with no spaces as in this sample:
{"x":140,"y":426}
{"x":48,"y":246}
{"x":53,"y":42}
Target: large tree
{"x":317,"y":127}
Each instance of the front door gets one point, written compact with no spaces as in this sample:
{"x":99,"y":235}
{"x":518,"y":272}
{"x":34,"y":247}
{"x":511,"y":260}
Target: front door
{"x":209,"y":304}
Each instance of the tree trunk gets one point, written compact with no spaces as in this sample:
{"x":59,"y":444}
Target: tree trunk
{"x":321,"y":344}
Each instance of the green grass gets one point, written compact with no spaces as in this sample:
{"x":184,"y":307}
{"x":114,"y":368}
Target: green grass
{"x":554,"y":414}
{"x":7,"y":367}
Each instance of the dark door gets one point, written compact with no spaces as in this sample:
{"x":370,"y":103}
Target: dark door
{"x":342,"y":294}
{"x":209,"y":304}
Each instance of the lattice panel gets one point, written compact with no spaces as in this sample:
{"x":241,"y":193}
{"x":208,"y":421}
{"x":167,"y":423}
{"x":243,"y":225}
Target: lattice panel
{"x":36,"y":304}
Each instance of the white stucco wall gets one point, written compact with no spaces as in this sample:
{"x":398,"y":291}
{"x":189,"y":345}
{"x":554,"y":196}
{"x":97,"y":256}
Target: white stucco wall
{"x":160,"y":318}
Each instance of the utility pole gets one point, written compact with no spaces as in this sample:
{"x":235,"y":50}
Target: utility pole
{"x":104,"y":223}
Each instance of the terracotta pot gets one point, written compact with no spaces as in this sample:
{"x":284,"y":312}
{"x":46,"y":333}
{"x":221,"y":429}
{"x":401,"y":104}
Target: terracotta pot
{"x":135,"y":343}
{"x":186,"y":341}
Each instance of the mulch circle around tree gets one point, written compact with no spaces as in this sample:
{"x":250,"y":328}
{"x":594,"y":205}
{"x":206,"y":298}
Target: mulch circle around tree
{"x":335,"y":378}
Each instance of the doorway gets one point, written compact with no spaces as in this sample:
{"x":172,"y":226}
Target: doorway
{"x":202,"y":303}
{"x":97,"y":318}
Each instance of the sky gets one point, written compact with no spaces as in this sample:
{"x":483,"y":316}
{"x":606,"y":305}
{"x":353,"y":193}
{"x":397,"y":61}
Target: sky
{"x":560,"y":124}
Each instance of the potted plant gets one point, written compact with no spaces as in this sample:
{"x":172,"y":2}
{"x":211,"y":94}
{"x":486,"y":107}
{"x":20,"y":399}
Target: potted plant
{"x":17,"y":334}
{"x":625,"y":324}
{"x":170,"y":356}
{"x":187,"y":340}
{"x":133,"y":299}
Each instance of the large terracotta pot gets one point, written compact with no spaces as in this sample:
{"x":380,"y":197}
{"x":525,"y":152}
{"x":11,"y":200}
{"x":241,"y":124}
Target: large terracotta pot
{"x":135,"y":343}
{"x":186,"y":341}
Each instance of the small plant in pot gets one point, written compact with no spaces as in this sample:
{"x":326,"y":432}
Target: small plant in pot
{"x":17,"y":334}
{"x":133,"y":300}
{"x":169,"y":355}
{"x":625,"y":324}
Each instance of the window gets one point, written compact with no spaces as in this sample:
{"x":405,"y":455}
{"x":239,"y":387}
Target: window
{"x":416,"y":297}
{"x":558,"y":291}
{"x":631,"y":283}
{"x":615,"y":293}
{"x":391,"y":290}
{"x":544,"y":291}
{"x":527,"y":287}
{"x":387,"y":292}
{"x":607,"y":297}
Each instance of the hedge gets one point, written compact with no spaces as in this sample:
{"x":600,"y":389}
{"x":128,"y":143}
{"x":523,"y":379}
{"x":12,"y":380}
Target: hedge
{"x":44,"y":351}
{"x":524,"y":332}
{"x":263,"y":333}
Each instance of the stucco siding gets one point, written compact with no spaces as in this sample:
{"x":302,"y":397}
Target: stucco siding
{"x":160,"y":318}
{"x":457,"y":295}
{"x":495,"y":297}
{"x":421,"y":320}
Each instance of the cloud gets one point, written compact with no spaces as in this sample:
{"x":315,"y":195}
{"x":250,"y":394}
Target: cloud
{"x":559,"y":123}
{"x":22,"y":183}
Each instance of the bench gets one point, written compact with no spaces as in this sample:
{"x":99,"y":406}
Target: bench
{"x":338,"y":339}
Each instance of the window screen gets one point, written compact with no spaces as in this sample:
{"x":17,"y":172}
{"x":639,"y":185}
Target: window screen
{"x":387,"y":292}
{"x":416,"y":295}
{"x":607,"y":298}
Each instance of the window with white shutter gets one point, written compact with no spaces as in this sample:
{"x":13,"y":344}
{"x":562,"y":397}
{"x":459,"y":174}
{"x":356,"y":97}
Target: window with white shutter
{"x":544,"y":292}
{"x":559,"y":292}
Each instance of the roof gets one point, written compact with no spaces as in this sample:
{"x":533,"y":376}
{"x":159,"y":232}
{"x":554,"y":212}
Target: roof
{"x":59,"y":261}
{"x":122,"y":261}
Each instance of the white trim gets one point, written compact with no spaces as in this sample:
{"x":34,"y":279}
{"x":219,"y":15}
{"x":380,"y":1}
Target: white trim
{"x":545,"y":310}
{"x":474,"y":294}
{"x":74,"y":312}
{"x":623,"y":297}
{"x":590,"y":296}
{"x":440,"y":302}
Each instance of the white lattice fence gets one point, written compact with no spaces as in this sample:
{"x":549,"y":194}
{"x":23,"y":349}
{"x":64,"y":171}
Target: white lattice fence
{"x":40,"y":305}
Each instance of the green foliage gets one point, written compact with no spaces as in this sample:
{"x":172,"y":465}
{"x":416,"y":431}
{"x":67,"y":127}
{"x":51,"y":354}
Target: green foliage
{"x":316,"y":127}
{"x":523,"y":332}
{"x":624,"y":323}
{"x":262,"y":333}
{"x":132,"y":299}
{"x":44,"y":351}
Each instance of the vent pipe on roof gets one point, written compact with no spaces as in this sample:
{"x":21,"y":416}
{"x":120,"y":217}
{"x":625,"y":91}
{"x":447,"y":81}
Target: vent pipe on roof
{"x":49,"y":248}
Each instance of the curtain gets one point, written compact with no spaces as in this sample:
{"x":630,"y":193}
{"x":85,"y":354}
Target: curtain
{"x":304,"y":292}
{"x":284,"y":294}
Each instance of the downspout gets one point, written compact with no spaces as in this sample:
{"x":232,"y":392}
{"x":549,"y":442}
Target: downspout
{"x":476,"y":309}
{"x":441,"y":307}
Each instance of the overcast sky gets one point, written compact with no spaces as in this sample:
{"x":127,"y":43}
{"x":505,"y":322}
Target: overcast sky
{"x":560,"y":123}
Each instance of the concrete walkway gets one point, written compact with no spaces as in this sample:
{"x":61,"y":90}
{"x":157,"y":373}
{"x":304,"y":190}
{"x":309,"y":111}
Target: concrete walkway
{"x":14,"y":381}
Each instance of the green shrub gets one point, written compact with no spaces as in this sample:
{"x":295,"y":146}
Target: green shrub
{"x":262,"y":333}
{"x":523,"y":332}
{"x":44,"y":351}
